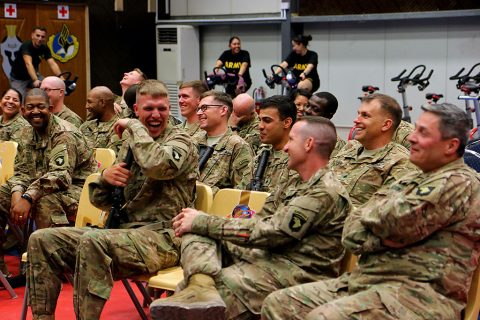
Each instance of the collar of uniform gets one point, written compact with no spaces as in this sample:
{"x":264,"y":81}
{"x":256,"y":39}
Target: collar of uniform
{"x":454,"y":165}
{"x":221,"y":143}
{"x":315,"y":178}
{"x":382,"y":153}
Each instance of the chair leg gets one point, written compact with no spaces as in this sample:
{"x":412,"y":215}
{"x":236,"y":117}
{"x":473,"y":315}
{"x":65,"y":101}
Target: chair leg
{"x":25,"y":304}
{"x":135,"y":301}
{"x":147,"y":299}
{"x":7,"y":285}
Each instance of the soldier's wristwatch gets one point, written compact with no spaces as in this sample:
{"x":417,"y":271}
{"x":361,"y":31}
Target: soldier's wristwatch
{"x":27,"y":197}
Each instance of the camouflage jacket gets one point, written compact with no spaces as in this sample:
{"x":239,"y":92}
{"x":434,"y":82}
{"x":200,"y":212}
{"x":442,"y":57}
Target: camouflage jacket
{"x":194,"y":130}
{"x":338,"y":146}
{"x":126,"y":111}
{"x":68,"y":115}
{"x":305,"y":230}
{"x":101,"y":135}
{"x":401,"y":134}
{"x":10,"y":131}
{"x":276,"y":174}
{"x":54,"y":162}
{"x":362,"y":176}
{"x":423,"y":228}
{"x":250,"y":133}
{"x":229,"y":162}
{"x":163,"y":178}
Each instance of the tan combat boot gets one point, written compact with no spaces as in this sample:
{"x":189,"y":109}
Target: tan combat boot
{"x":199,"y":300}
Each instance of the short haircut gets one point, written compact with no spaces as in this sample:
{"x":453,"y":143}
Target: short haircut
{"x":285,"y":107}
{"x":20,"y":97}
{"x":221,"y":97}
{"x":388,"y":104}
{"x":197,"y":85}
{"x":37,"y":92}
{"x":323,"y":132}
{"x":303,"y":39}
{"x":154,"y":88}
{"x":141,"y":73}
{"x":329,"y":102}
{"x":454,"y":123}
{"x":41,"y":28}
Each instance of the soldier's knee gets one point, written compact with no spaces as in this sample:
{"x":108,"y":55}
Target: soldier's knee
{"x":269,"y":306}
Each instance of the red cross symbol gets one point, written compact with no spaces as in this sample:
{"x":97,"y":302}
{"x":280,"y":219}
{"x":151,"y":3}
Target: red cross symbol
{"x":62,"y":11}
{"x":10,"y":9}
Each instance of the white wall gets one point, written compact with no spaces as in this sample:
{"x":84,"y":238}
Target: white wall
{"x":355,"y":54}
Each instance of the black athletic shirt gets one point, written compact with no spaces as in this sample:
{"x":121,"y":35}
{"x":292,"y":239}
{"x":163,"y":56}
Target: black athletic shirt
{"x":233,"y":62}
{"x":19,"y":70}
{"x":299,"y":63}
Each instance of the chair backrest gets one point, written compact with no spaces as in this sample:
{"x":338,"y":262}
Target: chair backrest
{"x":204,"y":198}
{"x":225,"y":201}
{"x":473,"y":301}
{"x":105,"y":158}
{"x":349,"y":262}
{"x":8,"y":152}
{"x":87,"y":214}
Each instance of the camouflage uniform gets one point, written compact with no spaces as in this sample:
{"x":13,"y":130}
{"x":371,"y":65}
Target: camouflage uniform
{"x":51,"y":169}
{"x":276,"y":175}
{"x":68,"y":115}
{"x":163,"y":179}
{"x":338,"y":146}
{"x":229,"y":162}
{"x":298,"y":242}
{"x":250,"y":133}
{"x":418,"y":242}
{"x":101,"y":134}
{"x":9,"y":131}
{"x":126,"y":111}
{"x":363,"y":176}
{"x":401,"y":134}
{"x":193,"y":130}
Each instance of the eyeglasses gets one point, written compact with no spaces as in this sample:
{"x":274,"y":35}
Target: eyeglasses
{"x":51,"y":89}
{"x":204,"y":107}
{"x":30,"y":107}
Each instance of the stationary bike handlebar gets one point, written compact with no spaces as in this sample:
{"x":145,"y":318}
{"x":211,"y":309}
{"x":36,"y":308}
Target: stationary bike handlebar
{"x":411,"y":79}
{"x":275,"y":78}
{"x":467,"y":77}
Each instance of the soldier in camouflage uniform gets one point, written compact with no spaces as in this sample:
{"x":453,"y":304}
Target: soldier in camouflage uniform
{"x":129,"y":79}
{"x":372,"y":160}
{"x":401,"y":134}
{"x":418,"y":239}
{"x":277,"y":116}
{"x":231,"y":156}
{"x":189,"y":94}
{"x":11,"y":120}
{"x":297,"y":241}
{"x":55,"y":88}
{"x":159,"y":183}
{"x":50,"y":169}
{"x":244,"y":120}
{"x":325,"y":104}
{"x":98,"y":129}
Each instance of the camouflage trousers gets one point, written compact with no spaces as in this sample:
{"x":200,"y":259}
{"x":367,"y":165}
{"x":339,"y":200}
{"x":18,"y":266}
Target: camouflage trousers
{"x":244,"y":284}
{"x":56,"y":209}
{"x":330,"y":299}
{"x":97,"y":257}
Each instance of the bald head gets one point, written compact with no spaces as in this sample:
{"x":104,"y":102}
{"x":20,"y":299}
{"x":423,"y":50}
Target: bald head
{"x":54,"y":82}
{"x":243,"y":109}
{"x":99,"y":104}
{"x":55,"y":88}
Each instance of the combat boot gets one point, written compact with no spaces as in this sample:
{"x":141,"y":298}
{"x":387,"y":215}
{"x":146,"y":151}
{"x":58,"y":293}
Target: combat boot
{"x":199,"y":300}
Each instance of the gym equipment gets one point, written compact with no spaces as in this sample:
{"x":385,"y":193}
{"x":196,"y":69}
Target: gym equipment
{"x":220,"y":76}
{"x":285,"y":78}
{"x":70,"y":85}
{"x":411,"y":80}
{"x":469,"y":86}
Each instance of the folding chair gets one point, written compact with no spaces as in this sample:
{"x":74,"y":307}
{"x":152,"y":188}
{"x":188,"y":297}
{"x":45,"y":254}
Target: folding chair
{"x":473,"y":300}
{"x":105,"y":158}
{"x":8,"y":152}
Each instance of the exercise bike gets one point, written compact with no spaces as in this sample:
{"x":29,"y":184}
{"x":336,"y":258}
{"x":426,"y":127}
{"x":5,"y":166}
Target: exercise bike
{"x":411,"y":80}
{"x":468,"y":85}
{"x":285,"y":78}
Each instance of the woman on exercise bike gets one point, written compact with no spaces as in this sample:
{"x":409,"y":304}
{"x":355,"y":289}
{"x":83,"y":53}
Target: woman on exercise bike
{"x":236,"y":61}
{"x":303,"y":63}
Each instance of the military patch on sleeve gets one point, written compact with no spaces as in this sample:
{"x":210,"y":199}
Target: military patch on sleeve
{"x":424,"y":191}
{"x":60,"y":160}
{"x":297,"y":221}
{"x":176,"y":155}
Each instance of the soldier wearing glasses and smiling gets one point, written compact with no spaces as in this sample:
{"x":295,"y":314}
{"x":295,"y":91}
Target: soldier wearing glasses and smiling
{"x":55,"y":89}
{"x":224,"y":156}
{"x":51,"y":169}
